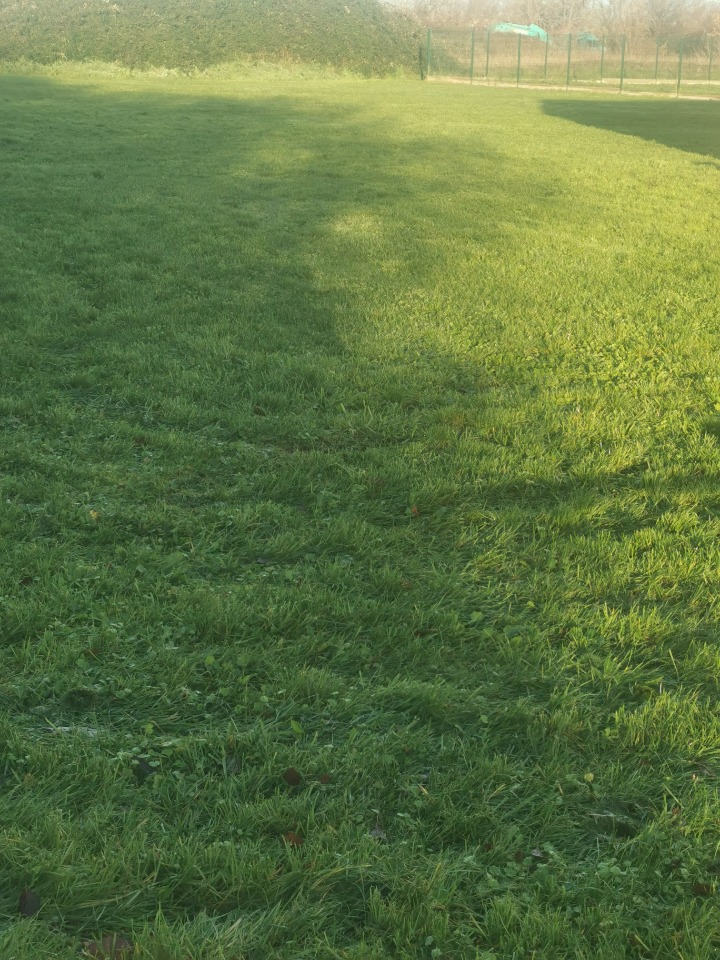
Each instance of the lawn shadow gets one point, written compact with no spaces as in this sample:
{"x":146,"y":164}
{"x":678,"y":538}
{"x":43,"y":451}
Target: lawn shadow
{"x":690,"y":126}
{"x":187,"y":381}
{"x":140,"y":218}
{"x":206,"y":282}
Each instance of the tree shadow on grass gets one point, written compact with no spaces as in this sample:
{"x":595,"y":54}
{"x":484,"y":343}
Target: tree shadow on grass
{"x":206,"y":446}
{"x":204,"y":263}
{"x":149,"y":216}
{"x":197,"y":291}
{"x":690,"y":126}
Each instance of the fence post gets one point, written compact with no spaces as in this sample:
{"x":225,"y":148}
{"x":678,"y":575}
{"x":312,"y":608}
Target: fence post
{"x":472,"y":54}
{"x":487,"y":55}
{"x":657,"y":57}
{"x":517,"y":76}
{"x":710,"y":56}
{"x":428,"y":51}
{"x":567,"y":80}
{"x":602,"y":59}
{"x":622,"y":64}
{"x":680,"y":60}
{"x":547,"y":44}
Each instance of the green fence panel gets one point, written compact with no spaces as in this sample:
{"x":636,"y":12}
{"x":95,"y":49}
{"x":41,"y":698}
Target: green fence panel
{"x":672,"y":65}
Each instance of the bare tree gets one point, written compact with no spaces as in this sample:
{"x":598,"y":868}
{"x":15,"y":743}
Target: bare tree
{"x":560,"y":15}
{"x":660,"y":19}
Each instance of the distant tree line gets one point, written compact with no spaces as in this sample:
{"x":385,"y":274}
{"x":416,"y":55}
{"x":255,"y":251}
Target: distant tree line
{"x":659,"y":19}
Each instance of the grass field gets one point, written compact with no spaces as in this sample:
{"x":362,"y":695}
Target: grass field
{"x":360,"y":514}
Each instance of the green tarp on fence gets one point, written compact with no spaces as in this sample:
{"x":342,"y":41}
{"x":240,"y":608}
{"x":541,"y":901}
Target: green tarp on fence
{"x":527,"y":30}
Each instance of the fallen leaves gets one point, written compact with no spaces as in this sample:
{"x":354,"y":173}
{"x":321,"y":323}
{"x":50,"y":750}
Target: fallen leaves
{"x":111,"y":947}
{"x":702,"y":889}
{"x":144,"y":769}
{"x":29,"y":903}
{"x":293,"y":778}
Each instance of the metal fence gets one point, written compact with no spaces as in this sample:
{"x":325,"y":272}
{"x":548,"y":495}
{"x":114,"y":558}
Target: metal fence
{"x":690,"y":65}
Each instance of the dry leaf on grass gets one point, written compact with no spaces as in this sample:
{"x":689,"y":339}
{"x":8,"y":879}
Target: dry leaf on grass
{"x":702,"y":889}
{"x":110,"y":947}
{"x":29,"y":903}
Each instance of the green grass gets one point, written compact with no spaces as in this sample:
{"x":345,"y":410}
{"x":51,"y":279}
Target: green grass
{"x":370,"y":431}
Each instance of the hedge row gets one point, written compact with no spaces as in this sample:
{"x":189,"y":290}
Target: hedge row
{"x":358,"y":35}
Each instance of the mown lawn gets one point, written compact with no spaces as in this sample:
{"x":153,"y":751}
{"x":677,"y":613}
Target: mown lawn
{"x":360,"y":521}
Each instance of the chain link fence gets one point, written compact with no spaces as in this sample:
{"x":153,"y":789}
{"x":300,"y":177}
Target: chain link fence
{"x":689,"y":65}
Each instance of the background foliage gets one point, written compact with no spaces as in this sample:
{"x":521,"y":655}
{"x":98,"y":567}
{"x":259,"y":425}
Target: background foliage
{"x":634,"y":19}
{"x":359,"y":35}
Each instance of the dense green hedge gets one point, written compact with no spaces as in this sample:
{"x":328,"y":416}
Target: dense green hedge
{"x":358,"y":35}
